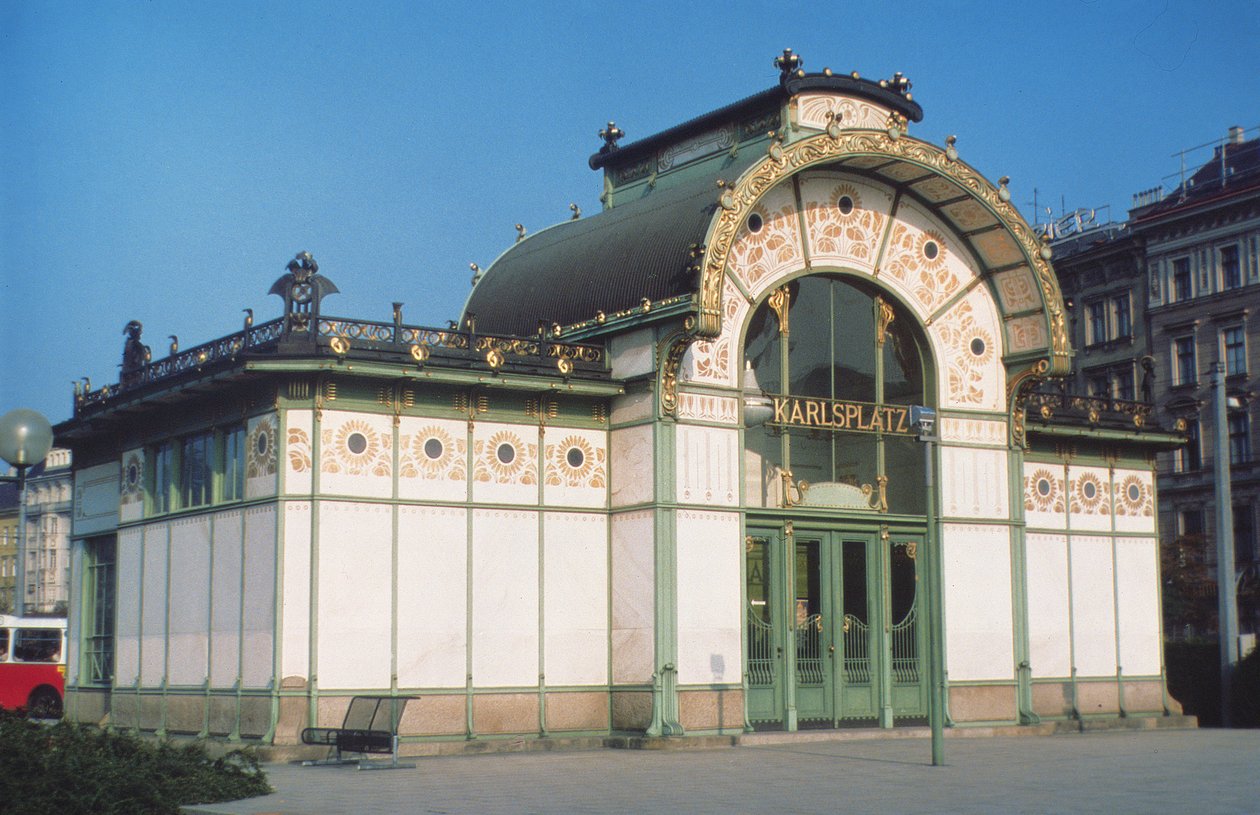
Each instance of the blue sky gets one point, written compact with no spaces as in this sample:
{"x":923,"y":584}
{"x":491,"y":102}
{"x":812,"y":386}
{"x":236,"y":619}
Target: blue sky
{"x":162,"y":161}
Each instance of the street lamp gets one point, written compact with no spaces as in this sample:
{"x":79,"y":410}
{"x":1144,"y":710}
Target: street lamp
{"x":25,"y":439}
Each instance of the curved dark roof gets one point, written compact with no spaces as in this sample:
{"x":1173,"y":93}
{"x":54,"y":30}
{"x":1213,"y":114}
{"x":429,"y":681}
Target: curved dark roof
{"x":607,"y":262}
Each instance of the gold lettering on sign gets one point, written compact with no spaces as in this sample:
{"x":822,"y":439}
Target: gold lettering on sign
{"x":838,"y":414}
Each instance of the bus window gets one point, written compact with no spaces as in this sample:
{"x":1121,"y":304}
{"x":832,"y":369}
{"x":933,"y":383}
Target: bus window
{"x":37,"y":645}
{"x":4,"y":645}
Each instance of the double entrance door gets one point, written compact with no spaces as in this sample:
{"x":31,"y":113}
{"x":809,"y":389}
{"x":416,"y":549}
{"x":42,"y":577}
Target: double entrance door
{"x":835,"y":630}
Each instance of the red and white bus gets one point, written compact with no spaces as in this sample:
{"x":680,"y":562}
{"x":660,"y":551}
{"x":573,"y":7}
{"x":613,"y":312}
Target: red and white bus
{"x":33,"y":664}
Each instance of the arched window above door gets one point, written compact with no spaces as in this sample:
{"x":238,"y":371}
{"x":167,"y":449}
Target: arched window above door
{"x":843,"y":364}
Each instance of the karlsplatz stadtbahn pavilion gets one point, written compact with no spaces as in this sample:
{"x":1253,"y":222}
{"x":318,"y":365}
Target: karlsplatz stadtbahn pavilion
{"x":740,"y":452}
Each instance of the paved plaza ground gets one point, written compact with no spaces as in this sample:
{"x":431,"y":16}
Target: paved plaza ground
{"x":1163,"y":771}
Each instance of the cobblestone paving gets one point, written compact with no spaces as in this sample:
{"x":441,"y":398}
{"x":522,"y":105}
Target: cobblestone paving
{"x":1192,"y":771}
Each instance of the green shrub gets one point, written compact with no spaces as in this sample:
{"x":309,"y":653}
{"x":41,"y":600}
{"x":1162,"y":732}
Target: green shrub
{"x":71,"y":768}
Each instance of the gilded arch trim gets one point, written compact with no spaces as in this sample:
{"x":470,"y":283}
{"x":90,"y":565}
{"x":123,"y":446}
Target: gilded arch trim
{"x":736,"y":201}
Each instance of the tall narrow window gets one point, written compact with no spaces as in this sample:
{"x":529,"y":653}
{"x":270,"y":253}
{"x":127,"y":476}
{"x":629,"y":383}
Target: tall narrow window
{"x":1097,"y":322}
{"x":1244,"y":534}
{"x":1121,"y":319}
{"x":1231,"y":272}
{"x":1239,"y":438}
{"x":1191,"y":521}
{"x":233,"y":472}
{"x":1183,"y":361}
{"x":1099,"y":384}
{"x":160,"y":479}
{"x":98,"y":611}
{"x":194,"y":470}
{"x":1181,"y":279}
{"x":1235,"y":343}
{"x":1123,"y":378}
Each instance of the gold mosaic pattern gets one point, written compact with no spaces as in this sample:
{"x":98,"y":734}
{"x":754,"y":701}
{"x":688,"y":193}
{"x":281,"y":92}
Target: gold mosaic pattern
{"x":490,"y":467}
{"x":575,"y":462}
{"x":299,"y":450}
{"x":355,"y":448}
{"x":433,"y":454}
{"x":1134,"y":498}
{"x":1043,"y":491}
{"x":260,"y":446}
{"x":1090,"y":495}
{"x":835,"y":234}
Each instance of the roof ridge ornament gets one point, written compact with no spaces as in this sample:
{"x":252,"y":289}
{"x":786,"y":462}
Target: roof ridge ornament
{"x":611,"y":135}
{"x":302,"y":288}
{"x":788,"y":64}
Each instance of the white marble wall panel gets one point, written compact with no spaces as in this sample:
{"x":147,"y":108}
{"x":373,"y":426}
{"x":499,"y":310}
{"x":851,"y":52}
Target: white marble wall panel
{"x":153,"y":605}
{"x":356,"y":454}
{"x":575,"y":599}
{"x":1137,"y":573}
{"x":966,"y":343}
{"x":295,"y":605}
{"x":977,"y":575}
{"x":505,"y":463}
{"x":189,"y":615}
{"x":1045,"y":496}
{"x":709,"y":635}
{"x":130,"y":488}
{"x":633,"y":593}
{"x":226,"y":578}
{"x":1049,"y":616}
{"x":631,"y":465}
{"x":575,"y":467}
{"x":432,"y":597}
{"x":297,"y":463}
{"x":768,"y":246}
{"x":707,"y":465}
{"x":1133,"y":501}
{"x":632,"y":353}
{"x":258,"y":606}
{"x":974,"y":483}
{"x":355,"y":588}
{"x":845,"y":219}
{"x":633,"y":407}
{"x":923,"y":261}
{"x":262,"y":452}
{"x":967,"y":430}
{"x":505,"y":598}
{"x":1089,"y":498}
{"x":432,"y":459}
{"x":128,"y":569}
{"x":1093,"y":606}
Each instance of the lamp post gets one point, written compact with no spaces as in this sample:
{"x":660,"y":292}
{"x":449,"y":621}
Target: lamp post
{"x":25,"y":439}
{"x":1226,"y":596}
{"x":923,"y":420}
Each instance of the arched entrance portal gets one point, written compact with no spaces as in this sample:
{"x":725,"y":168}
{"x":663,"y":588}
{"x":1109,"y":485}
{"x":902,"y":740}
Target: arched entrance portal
{"x":835,"y":496}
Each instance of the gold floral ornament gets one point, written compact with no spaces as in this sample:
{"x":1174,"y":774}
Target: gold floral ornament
{"x":433,"y":454}
{"x":356,"y":448}
{"x":505,"y":458}
{"x":132,"y":478}
{"x":1043,"y":491}
{"x":260,"y":455}
{"x":575,"y":462}
{"x":299,"y":450}
{"x":1089,"y":494}
{"x":1133,"y":497}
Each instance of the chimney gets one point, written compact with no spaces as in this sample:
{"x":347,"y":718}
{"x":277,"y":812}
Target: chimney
{"x":1235,"y":135}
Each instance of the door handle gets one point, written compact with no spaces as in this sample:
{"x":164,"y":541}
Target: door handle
{"x":831,"y":649}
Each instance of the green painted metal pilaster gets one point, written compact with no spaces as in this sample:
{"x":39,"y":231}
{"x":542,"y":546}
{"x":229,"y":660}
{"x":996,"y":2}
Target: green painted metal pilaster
{"x":542,"y":567}
{"x":1115,"y":589}
{"x":277,"y":613}
{"x":1019,"y":590}
{"x":166,"y":637}
{"x":665,"y":717}
{"x":312,"y":681}
{"x":396,"y":396}
{"x":1067,"y":535}
{"x":235,"y":735}
{"x":883,"y":626}
{"x":938,"y":688}
{"x":787,"y":611}
{"x":469,"y":464}
{"x":205,"y":709}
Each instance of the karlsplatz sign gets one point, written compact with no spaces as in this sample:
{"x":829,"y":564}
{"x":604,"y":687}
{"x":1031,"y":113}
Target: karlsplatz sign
{"x":837,"y":414}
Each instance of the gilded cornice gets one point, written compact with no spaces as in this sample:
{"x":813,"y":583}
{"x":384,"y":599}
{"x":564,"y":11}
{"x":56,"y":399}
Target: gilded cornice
{"x":782,"y":160}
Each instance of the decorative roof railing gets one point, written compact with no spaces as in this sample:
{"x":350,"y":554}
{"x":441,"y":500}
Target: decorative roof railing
{"x":1046,"y":405}
{"x":339,"y":336}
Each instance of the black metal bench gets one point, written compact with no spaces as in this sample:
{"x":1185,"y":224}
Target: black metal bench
{"x":370,"y":726}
